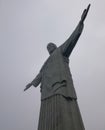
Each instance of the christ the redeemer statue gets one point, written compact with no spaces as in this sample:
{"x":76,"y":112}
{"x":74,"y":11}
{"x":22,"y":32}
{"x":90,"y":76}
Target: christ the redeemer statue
{"x":59,"y":108}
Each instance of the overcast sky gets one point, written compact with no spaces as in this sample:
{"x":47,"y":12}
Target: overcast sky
{"x":26,"y":26}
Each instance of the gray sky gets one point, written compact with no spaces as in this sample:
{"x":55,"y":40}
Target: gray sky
{"x":26,"y":26}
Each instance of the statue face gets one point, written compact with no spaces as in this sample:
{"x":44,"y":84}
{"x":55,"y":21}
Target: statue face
{"x":51,"y":47}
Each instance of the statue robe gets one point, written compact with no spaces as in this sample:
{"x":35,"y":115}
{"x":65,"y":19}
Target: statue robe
{"x":59,"y":108}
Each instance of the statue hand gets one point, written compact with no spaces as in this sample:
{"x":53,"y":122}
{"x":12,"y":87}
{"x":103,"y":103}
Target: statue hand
{"x":84,"y":14}
{"x":28,"y":86}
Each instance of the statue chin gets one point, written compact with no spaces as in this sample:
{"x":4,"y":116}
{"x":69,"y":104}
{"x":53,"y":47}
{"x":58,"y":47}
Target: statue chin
{"x":51,"y":51}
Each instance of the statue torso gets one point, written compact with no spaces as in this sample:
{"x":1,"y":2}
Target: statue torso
{"x":56,"y":76}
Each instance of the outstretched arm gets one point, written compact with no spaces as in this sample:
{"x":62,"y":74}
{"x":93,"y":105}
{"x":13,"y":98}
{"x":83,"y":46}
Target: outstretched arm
{"x":35,"y":82}
{"x":70,"y":43}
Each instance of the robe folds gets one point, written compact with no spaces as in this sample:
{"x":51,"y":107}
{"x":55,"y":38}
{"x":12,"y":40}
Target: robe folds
{"x":60,"y":113}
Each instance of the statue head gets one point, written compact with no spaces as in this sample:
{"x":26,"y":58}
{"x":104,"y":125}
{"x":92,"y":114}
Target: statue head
{"x":51,"y":47}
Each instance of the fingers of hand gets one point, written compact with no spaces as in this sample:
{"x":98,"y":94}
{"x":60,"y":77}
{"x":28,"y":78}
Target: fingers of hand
{"x":88,"y":7}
